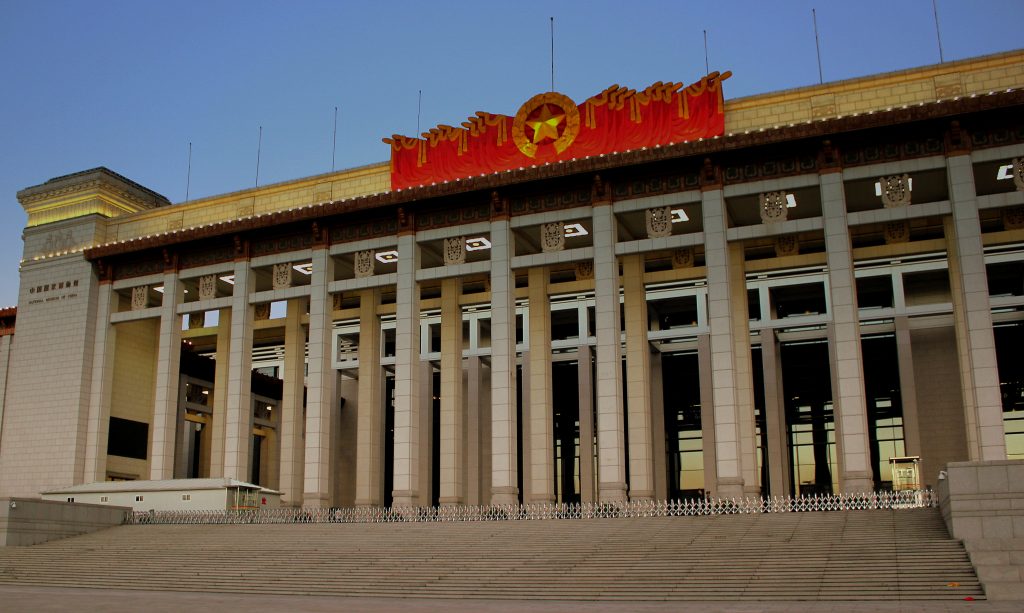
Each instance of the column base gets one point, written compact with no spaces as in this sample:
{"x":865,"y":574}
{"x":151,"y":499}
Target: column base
{"x":612,"y":492}
{"x":367,"y":504}
{"x":316,"y":501}
{"x":636,"y":495}
{"x":751,"y":491}
{"x":856,"y":482}
{"x":729,"y":488}
{"x":503,"y":496}
{"x":450,"y":501}
{"x":404,"y":499}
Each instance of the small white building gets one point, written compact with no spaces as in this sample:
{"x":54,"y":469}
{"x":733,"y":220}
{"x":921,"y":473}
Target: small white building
{"x":171,"y":495}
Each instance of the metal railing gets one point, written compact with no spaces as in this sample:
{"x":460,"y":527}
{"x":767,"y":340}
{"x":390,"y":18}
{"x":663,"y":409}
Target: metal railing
{"x":587,"y":510}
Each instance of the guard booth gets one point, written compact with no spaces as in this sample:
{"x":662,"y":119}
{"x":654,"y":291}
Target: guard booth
{"x":906,"y":473}
{"x":906,"y":477}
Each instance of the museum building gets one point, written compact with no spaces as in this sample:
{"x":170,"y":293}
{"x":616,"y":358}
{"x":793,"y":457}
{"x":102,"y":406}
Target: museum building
{"x":652,"y":294}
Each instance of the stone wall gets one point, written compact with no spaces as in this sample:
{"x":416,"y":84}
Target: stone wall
{"x":29,"y":521}
{"x":982,"y":504}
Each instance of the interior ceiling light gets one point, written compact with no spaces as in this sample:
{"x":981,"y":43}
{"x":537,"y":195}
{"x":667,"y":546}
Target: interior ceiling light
{"x":386,"y":257}
{"x":1004,"y":173}
{"x":790,"y":201}
{"x":478,"y":243}
{"x":575,"y":229}
{"x":878,"y":186}
{"x":159,"y":288}
{"x":679,"y":216}
{"x":306,"y":269}
{"x":229,"y":279}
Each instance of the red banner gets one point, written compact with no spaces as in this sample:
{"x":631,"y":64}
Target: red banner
{"x":550,"y":127}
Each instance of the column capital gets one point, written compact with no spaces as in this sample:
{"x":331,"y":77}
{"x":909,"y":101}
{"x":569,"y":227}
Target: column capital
{"x":710,"y":176}
{"x":499,"y":207}
{"x":321,"y":236}
{"x":406,"y":222}
{"x":104,"y":271}
{"x":170,"y":259}
{"x":958,"y":141}
{"x":600,"y":191}
{"x":241,"y":248}
{"x":828,"y":158}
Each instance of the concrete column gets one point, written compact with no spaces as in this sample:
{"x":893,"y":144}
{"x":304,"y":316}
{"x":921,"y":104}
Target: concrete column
{"x":658,"y":428}
{"x":908,"y":385}
{"x":725,"y":383}
{"x":972,"y":316}
{"x":585,"y":370}
{"x":291,"y":418}
{"x":526,"y":446}
{"x":370,"y":410}
{"x":321,"y":398}
{"x":220,"y":394}
{"x":238,"y":404}
{"x":343,"y":441}
{"x":407,"y":376}
{"x":452,"y":420}
{"x":707,"y":415}
{"x":775,"y":415}
{"x":473,"y":432}
{"x":168,"y":368}
{"x":504,"y":471}
{"x":541,"y":457}
{"x":638,"y":383}
{"x":744,"y":370}
{"x":848,"y":396}
{"x":183,"y":436}
{"x":611,"y":448}
{"x":426,"y":435}
{"x":101,"y":388}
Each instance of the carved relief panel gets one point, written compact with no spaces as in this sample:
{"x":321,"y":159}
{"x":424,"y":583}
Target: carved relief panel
{"x":659,"y":222}
{"x":584,"y":269}
{"x":282,"y":275}
{"x":773,"y":207}
{"x":897,"y":232}
{"x":363,"y":263}
{"x":787,"y":245}
{"x":140,"y":297}
{"x":455,"y":250}
{"x":207,"y":287}
{"x":895,"y":190}
{"x":552,"y":237}
{"x":261,"y":312}
{"x":683,"y":258}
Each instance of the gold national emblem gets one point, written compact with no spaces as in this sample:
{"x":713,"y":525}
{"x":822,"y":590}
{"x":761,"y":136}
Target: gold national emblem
{"x":550,"y":119}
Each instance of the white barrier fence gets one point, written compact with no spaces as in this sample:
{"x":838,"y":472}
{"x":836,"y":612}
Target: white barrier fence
{"x":588,"y":510}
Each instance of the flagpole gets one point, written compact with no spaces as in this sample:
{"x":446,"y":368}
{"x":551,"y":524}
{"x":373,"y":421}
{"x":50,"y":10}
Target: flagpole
{"x":552,"y":54}
{"x":188,"y":176}
{"x":259,"y":147}
{"x":817,"y":46}
{"x":334,"y":141}
{"x":707,"y":66}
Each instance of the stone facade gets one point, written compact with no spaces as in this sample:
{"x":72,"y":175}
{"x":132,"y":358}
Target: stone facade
{"x":640,"y":330}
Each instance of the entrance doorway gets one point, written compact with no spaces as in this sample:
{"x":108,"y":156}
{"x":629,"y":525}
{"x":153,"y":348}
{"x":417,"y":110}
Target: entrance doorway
{"x":684,"y":440}
{"x":810,"y":421}
{"x":566,"y":415}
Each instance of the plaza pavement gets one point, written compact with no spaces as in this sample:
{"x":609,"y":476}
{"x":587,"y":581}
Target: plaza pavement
{"x":41,"y":599}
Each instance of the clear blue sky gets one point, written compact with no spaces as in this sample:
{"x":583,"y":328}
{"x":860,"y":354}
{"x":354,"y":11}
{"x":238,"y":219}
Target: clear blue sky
{"x":127,"y":84}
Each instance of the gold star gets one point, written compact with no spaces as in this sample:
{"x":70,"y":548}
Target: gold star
{"x":546,"y":124}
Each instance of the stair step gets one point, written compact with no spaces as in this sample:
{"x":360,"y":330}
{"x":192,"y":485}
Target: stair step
{"x":852,"y":555}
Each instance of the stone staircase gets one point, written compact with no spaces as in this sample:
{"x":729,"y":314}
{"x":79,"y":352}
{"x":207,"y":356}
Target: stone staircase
{"x":849,"y":555}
